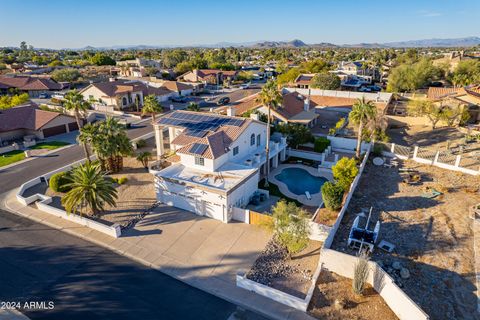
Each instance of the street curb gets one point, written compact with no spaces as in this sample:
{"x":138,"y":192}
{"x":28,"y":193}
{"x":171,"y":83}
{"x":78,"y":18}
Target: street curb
{"x":36,"y":157}
{"x":194,"y":284}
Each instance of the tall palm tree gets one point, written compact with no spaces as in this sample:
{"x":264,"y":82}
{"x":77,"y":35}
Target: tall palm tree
{"x":152,"y":106}
{"x":363,"y":112}
{"x":88,"y":189}
{"x":74,"y":102}
{"x":87,"y":137}
{"x":270,"y":97}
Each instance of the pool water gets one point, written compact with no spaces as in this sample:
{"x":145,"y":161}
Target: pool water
{"x":300,"y":180}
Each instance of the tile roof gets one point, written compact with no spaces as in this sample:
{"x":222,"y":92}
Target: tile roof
{"x":114,"y":88}
{"x":218,"y":141}
{"x":304,"y":78}
{"x":242,"y":106}
{"x":29,"y":83}
{"x":176,"y":86}
{"x":26,"y":117}
{"x":436,"y":93}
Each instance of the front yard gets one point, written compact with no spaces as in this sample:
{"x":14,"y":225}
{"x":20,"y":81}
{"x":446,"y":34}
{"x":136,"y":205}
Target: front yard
{"x":19,"y":155}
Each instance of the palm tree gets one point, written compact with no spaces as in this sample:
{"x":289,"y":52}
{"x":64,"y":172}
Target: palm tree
{"x":74,"y":102}
{"x":88,"y":189}
{"x":151,"y":105}
{"x":362,"y":113}
{"x":143,"y":158}
{"x":87,"y":137}
{"x":270,"y":97}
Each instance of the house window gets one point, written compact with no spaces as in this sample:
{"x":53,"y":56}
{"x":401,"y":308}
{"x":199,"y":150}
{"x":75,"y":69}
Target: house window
{"x":199,"y":161}
{"x":124,"y":101}
{"x":258,"y":140}
{"x":252,"y":139}
{"x":235,"y":151}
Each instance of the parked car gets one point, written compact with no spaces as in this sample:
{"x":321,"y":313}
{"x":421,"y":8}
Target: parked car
{"x":365,"y":89}
{"x":179,"y":99}
{"x":246,"y":85}
{"x":375,"y":88}
{"x":43,"y":96}
{"x":223,"y":101}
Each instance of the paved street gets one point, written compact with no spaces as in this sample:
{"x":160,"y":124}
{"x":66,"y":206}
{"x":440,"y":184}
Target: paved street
{"x":38,"y":263}
{"x":13,"y":177}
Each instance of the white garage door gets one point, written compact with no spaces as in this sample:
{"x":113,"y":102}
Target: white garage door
{"x":178,"y":201}
{"x":213,"y":211}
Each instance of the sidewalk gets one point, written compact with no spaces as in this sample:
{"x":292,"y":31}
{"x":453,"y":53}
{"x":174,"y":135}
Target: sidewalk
{"x":144,"y":246}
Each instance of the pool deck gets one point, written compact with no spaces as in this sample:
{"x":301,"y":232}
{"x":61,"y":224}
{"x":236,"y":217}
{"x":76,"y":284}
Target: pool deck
{"x":316,"y":200}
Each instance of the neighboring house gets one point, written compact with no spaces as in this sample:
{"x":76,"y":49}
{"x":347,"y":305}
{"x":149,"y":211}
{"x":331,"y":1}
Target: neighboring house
{"x":17,"y":122}
{"x":137,"y":67}
{"x":304,"y":80}
{"x":34,"y":86}
{"x":218,"y":163}
{"x":123,"y":94}
{"x":178,"y":88}
{"x":209,"y":76}
{"x":352,"y":71}
{"x":465,"y":97}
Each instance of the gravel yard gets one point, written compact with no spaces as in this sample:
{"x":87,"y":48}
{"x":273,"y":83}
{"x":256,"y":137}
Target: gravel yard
{"x":290,"y":275}
{"x":333,"y":298}
{"x":433,"y":236}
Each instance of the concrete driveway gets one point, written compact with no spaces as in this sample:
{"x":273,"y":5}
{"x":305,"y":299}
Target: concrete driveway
{"x":204,"y":247}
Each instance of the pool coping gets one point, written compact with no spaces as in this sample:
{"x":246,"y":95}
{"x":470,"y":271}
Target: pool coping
{"x":316,"y":200}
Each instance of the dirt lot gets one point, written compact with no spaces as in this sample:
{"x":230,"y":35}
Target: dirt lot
{"x":433,"y":237}
{"x":424,"y":136}
{"x":330,"y":287}
{"x":328,"y":118}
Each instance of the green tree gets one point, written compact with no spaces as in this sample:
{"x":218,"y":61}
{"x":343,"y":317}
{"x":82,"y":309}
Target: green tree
{"x":326,"y":81}
{"x":270,"y":97}
{"x":362,"y":112}
{"x":192,"y":106}
{"x":101,"y":59}
{"x":289,"y":76}
{"x":290,"y":226}
{"x":332,"y":195}
{"x":143,"y":158}
{"x":89,"y":189}
{"x":152,"y":106}
{"x":344,"y":171}
{"x":467,"y":72}
{"x":75,"y":103}
{"x":296,"y":134}
{"x":433,"y":111}
{"x":66,"y":75}
{"x":7,"y":101}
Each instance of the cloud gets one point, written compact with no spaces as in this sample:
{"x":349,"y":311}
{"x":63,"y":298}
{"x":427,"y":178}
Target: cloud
{"x":429,"y":14}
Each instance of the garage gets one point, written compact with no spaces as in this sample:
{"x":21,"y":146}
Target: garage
{"x":48,"y":132}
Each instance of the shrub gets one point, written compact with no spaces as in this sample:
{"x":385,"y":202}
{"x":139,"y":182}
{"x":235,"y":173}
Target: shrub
{"x":321,"y":144}
{"x":332,"y":195}
{"x":58,"y":181}
{"x":141,"y":143}
{"x":344,"y":171}
{"x":360,"y":274}
{"x":377,"y":150}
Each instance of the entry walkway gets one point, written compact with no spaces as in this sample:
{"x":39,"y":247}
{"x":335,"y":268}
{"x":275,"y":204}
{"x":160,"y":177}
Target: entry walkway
{"x":202,"y":252}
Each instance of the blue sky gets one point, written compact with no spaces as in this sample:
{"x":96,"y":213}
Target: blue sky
{"x":74,"y":24}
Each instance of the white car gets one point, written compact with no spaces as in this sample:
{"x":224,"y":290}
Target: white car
{"x":245,"y":85}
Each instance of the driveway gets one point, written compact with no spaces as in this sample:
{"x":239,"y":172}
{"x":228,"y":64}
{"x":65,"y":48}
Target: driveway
{"x":204,"y":247}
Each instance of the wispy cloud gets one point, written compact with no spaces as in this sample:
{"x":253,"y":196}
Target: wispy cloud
{"x":429,"y":14}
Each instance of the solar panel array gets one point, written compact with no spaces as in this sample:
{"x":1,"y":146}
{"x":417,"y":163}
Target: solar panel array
{"x":198,"y":148}
{"x":198,"y":125}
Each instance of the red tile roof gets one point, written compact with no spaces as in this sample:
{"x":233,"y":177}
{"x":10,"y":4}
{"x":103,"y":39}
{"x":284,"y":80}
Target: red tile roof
{"x":26,"y":117}
{"x":28,"y":83}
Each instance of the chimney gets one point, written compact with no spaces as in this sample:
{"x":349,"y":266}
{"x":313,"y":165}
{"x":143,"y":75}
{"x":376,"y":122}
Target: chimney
{"x":231,"y":111}
{"x":254,"y":116}
{"x":306,"y":102}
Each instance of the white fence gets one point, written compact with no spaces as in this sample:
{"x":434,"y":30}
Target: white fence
{"x":242,"y":215}
{"x":44,"y":201}
{"x":400,"y":303}
{"x":443,"y":159}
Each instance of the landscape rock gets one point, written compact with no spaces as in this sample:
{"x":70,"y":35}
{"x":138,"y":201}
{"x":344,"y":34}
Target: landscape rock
{"x":396,"y":265}
{"x":404,"y":273}
{"x":340,"y":304}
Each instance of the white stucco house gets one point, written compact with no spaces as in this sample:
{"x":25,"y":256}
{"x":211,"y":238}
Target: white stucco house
{"x":218,"y":163}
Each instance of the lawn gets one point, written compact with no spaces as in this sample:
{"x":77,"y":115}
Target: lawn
{"x":11,"y":157}
{"x":49,"y":145}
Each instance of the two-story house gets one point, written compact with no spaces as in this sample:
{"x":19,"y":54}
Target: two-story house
{"x":218,"y":163}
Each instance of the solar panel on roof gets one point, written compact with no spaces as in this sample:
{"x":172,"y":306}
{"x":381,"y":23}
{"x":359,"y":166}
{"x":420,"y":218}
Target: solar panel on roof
{"x":198,"y":148}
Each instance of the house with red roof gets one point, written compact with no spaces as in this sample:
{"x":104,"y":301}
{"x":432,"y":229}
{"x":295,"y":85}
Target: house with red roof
{"x":218,"y":161}
{"x":34,"y":86}
{"x":467,"y":97}
{"x":209,"y":76}
{"x":17,"y":122}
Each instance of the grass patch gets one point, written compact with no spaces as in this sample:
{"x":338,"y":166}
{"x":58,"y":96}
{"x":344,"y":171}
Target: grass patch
{"x":11,"y":157}
{"x":49,"y":145}
{"x":275,"y":191}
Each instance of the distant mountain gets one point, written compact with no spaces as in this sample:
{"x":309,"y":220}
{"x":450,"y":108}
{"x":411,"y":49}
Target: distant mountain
{"x":281,"y":44}
{"x":454,"y":42}
{"x":296,"y":43}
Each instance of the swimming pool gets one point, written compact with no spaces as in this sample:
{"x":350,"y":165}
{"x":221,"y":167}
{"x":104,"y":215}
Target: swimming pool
{"x":299,"y":180}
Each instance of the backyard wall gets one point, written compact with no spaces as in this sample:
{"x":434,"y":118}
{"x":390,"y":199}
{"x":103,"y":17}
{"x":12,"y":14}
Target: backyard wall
{"x":400,"y":303}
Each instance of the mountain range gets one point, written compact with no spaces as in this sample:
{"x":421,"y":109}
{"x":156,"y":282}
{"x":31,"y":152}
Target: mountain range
{"x":296,"y":43}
